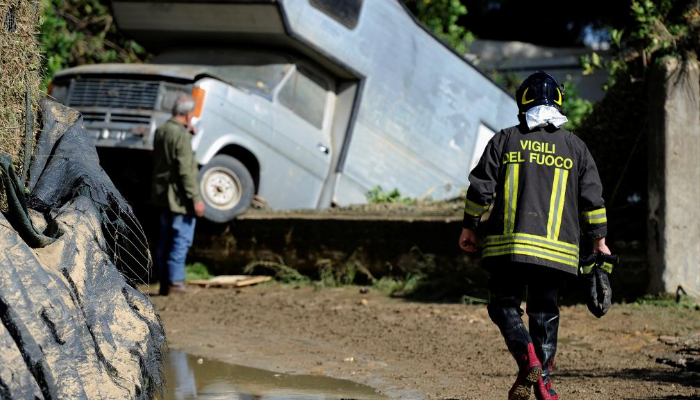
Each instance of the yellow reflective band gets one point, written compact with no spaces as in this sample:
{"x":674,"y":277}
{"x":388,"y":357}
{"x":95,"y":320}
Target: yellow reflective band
{"x":607,"y":267}
{"x":511,"y":197}
{"x":558,"y":101}
{"x":595,"y":217}
{"x":572,"y":248}
{"x":539,"y":241}
{"x":586,"y":269}
{"x":600,"y":211}
{"x":514,"y":199}
{"x":552,"y":203}
{"x":531,"y":251}
{"x":475,"y":209}
{"x":524,"y":100}
{"x":471,"y":212}
{"x":562,"y":200}
{"x":477,"y":205}
{"x":556,"y":203}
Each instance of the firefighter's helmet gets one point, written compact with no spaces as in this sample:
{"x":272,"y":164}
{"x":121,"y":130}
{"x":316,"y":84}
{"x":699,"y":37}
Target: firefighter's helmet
{"x":539,"y":89}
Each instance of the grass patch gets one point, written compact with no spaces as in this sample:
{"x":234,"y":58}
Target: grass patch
{"x":197,"y":271}
{"x":20,"y":78}
{"x":669,"y":300}
{"x":330,"y":276}
{"x":399,"y":287}
{"x":419,"y":277}
{"x":349,"y":273}
{"x":283,"y":273}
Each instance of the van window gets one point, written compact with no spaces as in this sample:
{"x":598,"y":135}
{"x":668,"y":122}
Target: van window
{"x":305,"y":93}
{"x":258,"y":72}
{"x":261,"y":79}
{"x":347,"y":12}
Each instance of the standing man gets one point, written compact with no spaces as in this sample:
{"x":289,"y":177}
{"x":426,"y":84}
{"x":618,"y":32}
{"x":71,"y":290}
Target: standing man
{"x":544,"y":179}
{"x":175,"y":191}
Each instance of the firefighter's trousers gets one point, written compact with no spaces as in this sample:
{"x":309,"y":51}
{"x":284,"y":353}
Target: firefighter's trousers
{"x":509,"y":284}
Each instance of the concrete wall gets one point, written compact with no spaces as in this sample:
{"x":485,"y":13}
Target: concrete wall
{"x":674,"y":177}
{"x":386,"y":246}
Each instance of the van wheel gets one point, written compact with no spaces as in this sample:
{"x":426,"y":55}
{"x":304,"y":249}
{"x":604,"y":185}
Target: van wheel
{"x":226,"y":188}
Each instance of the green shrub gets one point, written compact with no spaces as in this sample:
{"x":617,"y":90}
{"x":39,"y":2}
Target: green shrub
{"x":378,"y":195}
{"x":197,"y":271}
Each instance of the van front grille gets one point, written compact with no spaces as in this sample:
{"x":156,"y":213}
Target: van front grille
{"x":113,"y":93}
{"x":96,"y":116}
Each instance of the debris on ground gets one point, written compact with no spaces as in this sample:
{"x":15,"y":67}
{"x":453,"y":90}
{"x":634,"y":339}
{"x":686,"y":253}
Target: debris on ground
{"x":230,"y":281}
{"x":687,"y":354}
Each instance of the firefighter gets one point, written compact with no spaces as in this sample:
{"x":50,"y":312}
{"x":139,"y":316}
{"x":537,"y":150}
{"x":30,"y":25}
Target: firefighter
{"x":543,"y":189}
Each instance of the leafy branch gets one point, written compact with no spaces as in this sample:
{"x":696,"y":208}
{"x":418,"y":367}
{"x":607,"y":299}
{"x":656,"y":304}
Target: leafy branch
{"x":78,"y":32}
{"x":659,"y":28}
{"x":442,"y":18}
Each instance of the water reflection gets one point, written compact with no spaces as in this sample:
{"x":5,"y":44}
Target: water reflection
{"x":183,"y":385}
{"x":188,"y":377}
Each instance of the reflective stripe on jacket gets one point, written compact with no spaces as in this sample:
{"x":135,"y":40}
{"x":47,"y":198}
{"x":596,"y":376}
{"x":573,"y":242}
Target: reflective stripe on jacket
{"x":544,"y":189}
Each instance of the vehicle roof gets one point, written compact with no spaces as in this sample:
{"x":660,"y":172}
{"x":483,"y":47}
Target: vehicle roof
{"x":189,"y":72}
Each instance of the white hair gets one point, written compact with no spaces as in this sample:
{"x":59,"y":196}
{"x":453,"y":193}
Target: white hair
{"x":183,"y":105}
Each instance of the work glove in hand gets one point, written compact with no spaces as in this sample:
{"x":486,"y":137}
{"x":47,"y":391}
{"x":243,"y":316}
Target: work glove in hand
{"x":596,"y":269}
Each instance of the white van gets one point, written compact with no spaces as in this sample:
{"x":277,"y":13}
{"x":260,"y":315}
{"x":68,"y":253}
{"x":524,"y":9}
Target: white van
{"x":306,"y":103}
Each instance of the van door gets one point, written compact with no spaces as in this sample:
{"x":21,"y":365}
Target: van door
{"x":302,"y":126}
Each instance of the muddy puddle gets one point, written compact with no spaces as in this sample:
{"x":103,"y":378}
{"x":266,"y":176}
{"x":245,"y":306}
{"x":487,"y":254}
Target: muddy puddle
{"x":189,"y":377}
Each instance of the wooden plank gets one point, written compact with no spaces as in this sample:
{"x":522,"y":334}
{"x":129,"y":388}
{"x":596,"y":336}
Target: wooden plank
{"x":253,"y":281}
{"x":230,"y":281}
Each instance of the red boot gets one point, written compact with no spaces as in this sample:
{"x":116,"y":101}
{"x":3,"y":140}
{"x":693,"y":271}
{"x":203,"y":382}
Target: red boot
{"x":543,"y":389}
{"x":530,"y":373}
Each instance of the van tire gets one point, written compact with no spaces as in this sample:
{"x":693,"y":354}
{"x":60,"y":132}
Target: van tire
{"x":226,"y":187}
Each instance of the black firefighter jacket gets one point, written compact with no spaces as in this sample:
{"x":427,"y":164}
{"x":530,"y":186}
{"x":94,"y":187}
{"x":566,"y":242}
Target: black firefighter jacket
{"x":545,"y":190}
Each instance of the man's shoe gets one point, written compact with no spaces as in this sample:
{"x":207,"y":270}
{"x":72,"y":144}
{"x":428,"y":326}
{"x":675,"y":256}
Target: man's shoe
{"x":530,"y":373}
{"x":178,"y":287}
{"x":543,"y":389}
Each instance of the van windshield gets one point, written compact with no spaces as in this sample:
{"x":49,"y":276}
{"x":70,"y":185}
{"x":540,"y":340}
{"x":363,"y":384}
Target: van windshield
{"x":257,"y":72}
{"x":261,"y":79}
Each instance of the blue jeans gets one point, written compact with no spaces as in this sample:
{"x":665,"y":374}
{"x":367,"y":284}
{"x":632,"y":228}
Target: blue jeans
{"x":176,"y":234}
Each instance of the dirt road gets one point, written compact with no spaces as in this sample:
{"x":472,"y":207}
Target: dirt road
{"x":413,"y":350}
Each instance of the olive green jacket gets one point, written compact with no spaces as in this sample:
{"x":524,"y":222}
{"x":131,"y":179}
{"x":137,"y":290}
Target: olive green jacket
{"x":175,"y":182}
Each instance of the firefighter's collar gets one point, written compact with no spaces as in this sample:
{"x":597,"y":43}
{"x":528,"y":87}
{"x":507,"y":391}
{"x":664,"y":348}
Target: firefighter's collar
{"x":541,"y":116}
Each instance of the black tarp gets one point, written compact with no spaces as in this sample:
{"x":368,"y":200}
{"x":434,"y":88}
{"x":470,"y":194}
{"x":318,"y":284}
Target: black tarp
{"x":72,"y":326}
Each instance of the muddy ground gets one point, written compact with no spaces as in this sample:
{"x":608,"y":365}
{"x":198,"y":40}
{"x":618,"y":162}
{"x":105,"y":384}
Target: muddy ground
{"x":424,"y":350}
